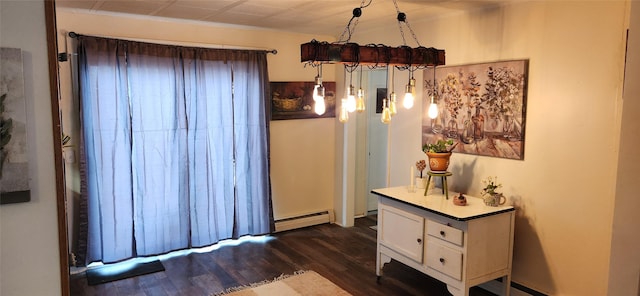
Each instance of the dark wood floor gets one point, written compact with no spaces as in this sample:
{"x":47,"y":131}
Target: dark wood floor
{"x":346,"y":256}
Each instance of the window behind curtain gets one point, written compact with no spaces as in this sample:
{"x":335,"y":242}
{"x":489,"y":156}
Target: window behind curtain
{"x":175,"y":150}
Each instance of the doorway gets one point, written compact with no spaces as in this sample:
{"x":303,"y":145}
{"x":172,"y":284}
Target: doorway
{"x":372,"y":136}
{"x":377,"y":136}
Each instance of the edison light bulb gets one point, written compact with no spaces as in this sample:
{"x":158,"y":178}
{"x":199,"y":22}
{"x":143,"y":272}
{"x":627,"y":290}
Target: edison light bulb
{"x":409,"y":95}
{"x":386,"y":114}
{"x":393,"y":108}
{"x":344,"y":114}
{"x":320,"y":107}
{"x":360,"y":101}
{"x":318,"y":90}
{"x":351,"y":99}
{"x":318,"y":93}
{"x":433,"y":109}
{"x":408,"y":101}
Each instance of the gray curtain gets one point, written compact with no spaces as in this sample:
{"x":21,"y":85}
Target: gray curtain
{"x":176,"y":147}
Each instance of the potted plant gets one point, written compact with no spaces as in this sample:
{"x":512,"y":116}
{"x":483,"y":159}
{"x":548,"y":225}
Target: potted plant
{"x":489,"y":194}
{"x":439,"y":154}
{"x":421,"y":181}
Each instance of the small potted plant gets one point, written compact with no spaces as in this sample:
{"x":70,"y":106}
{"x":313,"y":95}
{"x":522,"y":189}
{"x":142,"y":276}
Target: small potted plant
{"x":421,"y":181}
{"x":489,"y":194}
{"x":439,"y":154}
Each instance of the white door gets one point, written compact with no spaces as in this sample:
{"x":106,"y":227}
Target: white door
{"x":377,"y":138}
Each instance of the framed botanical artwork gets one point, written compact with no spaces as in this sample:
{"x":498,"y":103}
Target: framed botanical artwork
{"x":481,"y":106}
{"x":294,"y":100}
{"x":14,"y":162}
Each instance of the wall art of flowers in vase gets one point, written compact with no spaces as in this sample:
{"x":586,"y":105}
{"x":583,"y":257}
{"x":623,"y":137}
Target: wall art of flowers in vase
{"x":481,"y":105}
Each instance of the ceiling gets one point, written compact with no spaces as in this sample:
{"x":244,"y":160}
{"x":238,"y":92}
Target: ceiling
{"x":324,"y":17}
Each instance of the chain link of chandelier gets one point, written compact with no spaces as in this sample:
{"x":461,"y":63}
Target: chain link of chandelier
{"x":353,"y":56}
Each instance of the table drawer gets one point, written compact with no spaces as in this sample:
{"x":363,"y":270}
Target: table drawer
{"x":445,"y":232}
{"x":444,"y":259}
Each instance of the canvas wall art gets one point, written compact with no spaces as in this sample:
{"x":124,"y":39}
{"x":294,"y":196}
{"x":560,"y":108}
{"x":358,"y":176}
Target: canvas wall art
{"x":14,"y":165}
{"x":481,"y":106}
{"x":294,"y":100}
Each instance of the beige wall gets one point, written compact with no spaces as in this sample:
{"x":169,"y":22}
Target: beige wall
{"x":302,"y":153}
{"x":564,"y":193}
{"x":565,"y":212}
{"x":29,"y":263}
{"x":624,"y":268}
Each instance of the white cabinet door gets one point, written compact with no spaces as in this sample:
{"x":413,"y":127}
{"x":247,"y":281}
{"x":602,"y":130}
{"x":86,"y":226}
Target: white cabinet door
{"x":401,"y":231}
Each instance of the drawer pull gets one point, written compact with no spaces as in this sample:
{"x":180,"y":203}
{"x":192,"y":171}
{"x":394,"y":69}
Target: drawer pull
{"x":442,"y":260}
{"x":419,"y":241}
{"x":442,"y":233}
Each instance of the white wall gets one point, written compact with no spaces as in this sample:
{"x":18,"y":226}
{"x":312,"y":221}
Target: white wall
{"x":29,"y":263}
{"x":302,"y":151}
{"x":563,"y":191}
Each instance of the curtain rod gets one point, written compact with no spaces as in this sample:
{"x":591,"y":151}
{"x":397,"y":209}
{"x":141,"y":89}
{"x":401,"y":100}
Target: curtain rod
{"x":220,"y":46}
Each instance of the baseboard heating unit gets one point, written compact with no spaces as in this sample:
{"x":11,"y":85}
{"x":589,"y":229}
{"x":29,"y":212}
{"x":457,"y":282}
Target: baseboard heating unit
{"x":495,"y":287}
{"x":304,"y":220}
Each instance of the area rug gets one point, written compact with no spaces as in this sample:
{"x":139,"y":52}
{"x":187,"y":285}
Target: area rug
{"x":307,"y":283}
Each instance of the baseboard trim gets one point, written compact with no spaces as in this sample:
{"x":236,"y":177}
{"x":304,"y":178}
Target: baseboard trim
{"x":495,"y":287}
{"x":304,"y":220}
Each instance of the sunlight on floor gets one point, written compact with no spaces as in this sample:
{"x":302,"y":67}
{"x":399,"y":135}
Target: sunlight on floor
{"x":128,"y":264}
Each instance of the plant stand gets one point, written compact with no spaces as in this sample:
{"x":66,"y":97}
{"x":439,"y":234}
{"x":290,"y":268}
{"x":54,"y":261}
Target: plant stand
{"x":443,"y":175}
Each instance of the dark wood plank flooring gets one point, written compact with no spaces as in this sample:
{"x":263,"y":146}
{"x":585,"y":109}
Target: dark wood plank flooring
{"x":346,"y":256}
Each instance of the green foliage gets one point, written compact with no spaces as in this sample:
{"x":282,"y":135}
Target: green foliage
{"x":441,"y":146}
{"x":490,"y":186}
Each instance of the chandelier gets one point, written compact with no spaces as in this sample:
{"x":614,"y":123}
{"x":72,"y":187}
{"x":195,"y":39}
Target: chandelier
{"x":353,"y":56}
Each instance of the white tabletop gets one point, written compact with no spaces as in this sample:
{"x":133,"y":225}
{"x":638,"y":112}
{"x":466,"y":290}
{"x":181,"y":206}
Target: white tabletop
{"x":436,"y":202}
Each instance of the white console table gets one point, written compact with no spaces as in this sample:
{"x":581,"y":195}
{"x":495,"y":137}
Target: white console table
{"x":462,"y":246}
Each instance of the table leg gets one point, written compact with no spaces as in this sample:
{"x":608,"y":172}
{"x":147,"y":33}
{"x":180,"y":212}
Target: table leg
{"x":445,"y":188}
{"x":426,"y":188}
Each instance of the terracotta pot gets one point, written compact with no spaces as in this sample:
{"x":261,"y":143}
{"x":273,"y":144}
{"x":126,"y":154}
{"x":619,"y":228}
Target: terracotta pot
{"x":438,"y":162}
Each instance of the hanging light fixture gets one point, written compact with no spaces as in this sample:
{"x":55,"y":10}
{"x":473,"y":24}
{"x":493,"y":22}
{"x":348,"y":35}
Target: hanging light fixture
{"x":393,"y":98}
{"x":410,"y":92}
{"x":344,"y":114}
{"x":389,"y":105}
{"x":386,"y":114}
{"x":351,"y":97}
{"x":318,"y":93}
{"x":353,"y":55}
{"x":433,"y":106}
{"x":360,"y":105}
